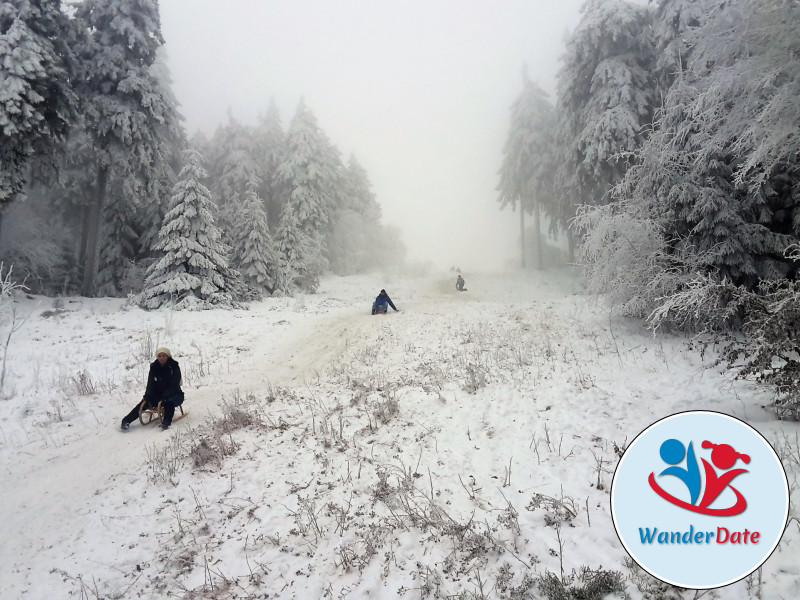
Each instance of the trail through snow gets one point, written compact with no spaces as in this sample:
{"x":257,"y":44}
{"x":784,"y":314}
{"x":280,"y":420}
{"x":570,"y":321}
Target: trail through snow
{"x":388,"y":456}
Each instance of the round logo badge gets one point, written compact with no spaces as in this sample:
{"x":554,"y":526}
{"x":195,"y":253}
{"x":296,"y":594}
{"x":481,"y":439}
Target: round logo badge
{"x":699,"y":499}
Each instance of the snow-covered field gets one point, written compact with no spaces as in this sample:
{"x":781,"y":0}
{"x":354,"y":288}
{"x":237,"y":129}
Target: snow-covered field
{"x":463,"y":447}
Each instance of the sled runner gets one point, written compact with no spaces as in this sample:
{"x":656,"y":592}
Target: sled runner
{"x":156,"y":413}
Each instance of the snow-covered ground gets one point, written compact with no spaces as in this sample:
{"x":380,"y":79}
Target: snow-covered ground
{"x":463,"y":447}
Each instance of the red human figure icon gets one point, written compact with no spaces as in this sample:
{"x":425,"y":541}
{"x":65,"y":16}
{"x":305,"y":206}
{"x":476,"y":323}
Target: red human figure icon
{"x":724,"y":457}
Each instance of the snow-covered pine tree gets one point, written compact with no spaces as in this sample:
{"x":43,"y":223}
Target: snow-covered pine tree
{"x":164,"y":174}
{"x":255,"y":254}
{"x":727,"y":227}
{"x":37,"y":102}
{"x":233,"y":165}
{"x":134,"y":210}
{"x":126,"y":111}
{"x":717,"y":228}
{"x":235,"y":159}
{"x":526,"y":172}
{"x":118,"y":249}
{"x":358,"y":194}
{"x":294,"y":247}
{"x":305,"y":172}
{"x":193,"y":273}
{"x":745,"y":72}
{"x":768,"y":109}
{"x":271,"y":148}
{"x":671,"y":20}
{"x":638,"y":251}
{"x":356,"y":234}
{"x":605,"y":97}
{"x":337,"y":193}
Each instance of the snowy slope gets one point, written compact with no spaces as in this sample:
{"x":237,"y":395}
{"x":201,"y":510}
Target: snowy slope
{"x":462,"y":446}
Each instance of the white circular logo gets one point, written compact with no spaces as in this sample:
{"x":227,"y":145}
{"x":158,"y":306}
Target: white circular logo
{"x":699,"y":499}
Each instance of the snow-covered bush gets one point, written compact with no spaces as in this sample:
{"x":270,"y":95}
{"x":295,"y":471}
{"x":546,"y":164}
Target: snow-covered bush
{"x":625,"y":257}
{"x":588,"y":583}
{"x":771,"y":349}
{"x":10,"y":321}
{"x":758,"y":331}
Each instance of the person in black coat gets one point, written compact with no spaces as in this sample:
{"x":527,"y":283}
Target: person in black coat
{"x":163,"y":385}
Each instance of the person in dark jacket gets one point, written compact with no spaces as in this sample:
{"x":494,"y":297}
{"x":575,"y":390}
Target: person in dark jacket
{"x":163,"y":385}
{"x":381,"y":302}
{"x":460,"y":284}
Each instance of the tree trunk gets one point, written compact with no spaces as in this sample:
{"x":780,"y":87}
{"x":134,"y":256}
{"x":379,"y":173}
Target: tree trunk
{"x":571,"y":243}
{"x":538,"y":235}
{"x":90,"y":269}
{"x":87,"y":211}
{"x":522,"y":232}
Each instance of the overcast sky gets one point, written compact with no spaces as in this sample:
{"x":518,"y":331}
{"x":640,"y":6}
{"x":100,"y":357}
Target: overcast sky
{"x":419,"y":91}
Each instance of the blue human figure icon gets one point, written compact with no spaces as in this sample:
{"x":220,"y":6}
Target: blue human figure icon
{"x":672,"y":452}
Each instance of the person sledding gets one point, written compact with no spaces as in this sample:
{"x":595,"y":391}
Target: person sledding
{"x":460,"y":283}
{"x":382,"y":304}
{"x":163,"y":385}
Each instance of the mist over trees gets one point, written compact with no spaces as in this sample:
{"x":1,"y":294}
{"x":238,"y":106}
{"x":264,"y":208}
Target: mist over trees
{"x":675,"y":145}
{"x":90,"y":197}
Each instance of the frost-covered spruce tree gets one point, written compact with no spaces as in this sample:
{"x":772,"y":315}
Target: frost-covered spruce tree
{"x":306,"y":172}
{"x":355,"y":238}
{"x":164,"y":173}
{"x":193,"y":272}
{"x":294,"y":247}
{"x":526,"y":173}
{"x":37,"y":101}
{"x":271,"y":148}
{"x":120,"y":239}
{"x":126,"y":110}
{"x":359,"y":196}
{"x":768,"y":111}
{"x":671,"y":21}
{"x":233,"y":165}
{"x":605,"y":97}
{"x":771,"y":352}
{"x":235,"y":160}
{"x":309,"y":177}
{"x":255,"y":254}
{"x":730,"y":229}
{"x":134,"y":210}
{"x":718,"y":228}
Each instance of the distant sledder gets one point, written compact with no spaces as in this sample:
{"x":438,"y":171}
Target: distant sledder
{"x":382,"y":304}
{"x":460,"y":283}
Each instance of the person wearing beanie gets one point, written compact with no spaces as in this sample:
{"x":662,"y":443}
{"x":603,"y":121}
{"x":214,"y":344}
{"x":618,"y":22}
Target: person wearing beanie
{"x":163,"y":385}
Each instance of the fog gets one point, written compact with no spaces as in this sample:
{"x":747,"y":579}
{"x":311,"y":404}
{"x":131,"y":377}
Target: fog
{"x":418,"y":91}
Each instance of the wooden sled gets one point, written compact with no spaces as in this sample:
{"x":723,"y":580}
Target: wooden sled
{"x":156,"y":413}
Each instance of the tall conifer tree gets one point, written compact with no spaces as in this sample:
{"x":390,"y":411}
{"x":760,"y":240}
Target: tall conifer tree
{"x":193,"y":272}
{"x":255,"y":254}
{"x":37,"y":101}
{"x":526,"y":173}
{"x":605,"y":97}
{"x":126,"y":110}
